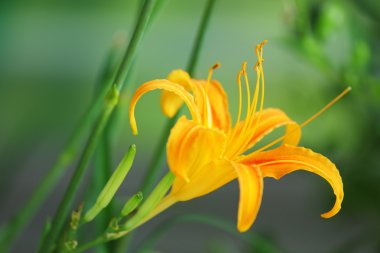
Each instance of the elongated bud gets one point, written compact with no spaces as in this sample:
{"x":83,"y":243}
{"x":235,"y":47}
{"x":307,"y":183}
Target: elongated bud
{"x":151,"y":202}
{"x":112,"y":185}
{"x":132,"y":204}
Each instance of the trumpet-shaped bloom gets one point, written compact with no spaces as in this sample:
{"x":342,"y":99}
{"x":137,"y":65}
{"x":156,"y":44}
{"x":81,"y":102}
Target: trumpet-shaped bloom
{"x":207,"y":151}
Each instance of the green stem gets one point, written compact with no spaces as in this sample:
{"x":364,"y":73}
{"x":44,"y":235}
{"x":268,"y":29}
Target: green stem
{"x":193,"y":61}
{"x":102,"y":171}
{"x":20,"y":219}
{"x":143,"y":214}
{"x":118,"y":83}
{"x":134,"y":44}
{"x":70,"y":150}
{"x":86,"y":246}
{"x":65,"y":205}
{"x":159,"y":154}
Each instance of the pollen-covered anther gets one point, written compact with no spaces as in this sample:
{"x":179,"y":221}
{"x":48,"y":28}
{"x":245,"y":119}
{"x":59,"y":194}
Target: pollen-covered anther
{"x":258,"y":63}
{"x":215,"y":66}
{"x":244,"y":67}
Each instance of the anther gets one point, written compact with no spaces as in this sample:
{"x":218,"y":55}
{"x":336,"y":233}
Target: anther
{"x":215,"y":66}
{"x":244,"y":67}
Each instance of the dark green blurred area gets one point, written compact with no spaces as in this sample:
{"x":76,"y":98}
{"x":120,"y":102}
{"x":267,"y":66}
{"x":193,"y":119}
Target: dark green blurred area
{"x":52,"y":53}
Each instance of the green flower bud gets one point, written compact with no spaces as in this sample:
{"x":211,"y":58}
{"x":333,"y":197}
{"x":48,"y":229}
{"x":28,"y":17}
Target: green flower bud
{"x":132,"y":204}
{"x":112,"y":185}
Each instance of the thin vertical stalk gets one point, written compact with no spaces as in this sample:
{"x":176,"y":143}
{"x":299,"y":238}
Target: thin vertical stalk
{"x":100,"y":175}
{"x":193,"y":61}
{"x":65,"y":205}
{"x":159,"y":154}
{"x":134,"y":44}
{"x":103,"y":157}
{"x":126,"y":63}
{"x":70,"y":150}
{"x":21,"y":218}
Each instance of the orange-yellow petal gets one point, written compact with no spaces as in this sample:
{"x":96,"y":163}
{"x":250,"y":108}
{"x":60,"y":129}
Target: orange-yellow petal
{"x":271,"y":119}
{"x":251,"y":191}
{"x":286,"y":159}
{"x":164,"y":85}
{"x":208,"y":178}
{"x":191,"y":146}
{"x":171,"y":102}
{"x":217,"y":99}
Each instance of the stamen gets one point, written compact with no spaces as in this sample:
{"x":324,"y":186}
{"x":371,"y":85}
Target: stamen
{"x":238,"y":80}
{"x":240,"y":97}
{"x":336,"y":99}
{"x":248,"y":113}
{"x":246,"y":133}
{"x":250,"y":129}
{"x":343,"y":93}
{"x":235,"y":144}
{"x":244,"y":70}
{"x":207,"y":107}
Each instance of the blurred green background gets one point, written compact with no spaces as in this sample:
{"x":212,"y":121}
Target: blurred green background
{"x":52,"y":53}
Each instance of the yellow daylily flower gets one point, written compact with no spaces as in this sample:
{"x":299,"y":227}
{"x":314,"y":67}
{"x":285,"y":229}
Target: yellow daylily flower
{"x":207,"y":151}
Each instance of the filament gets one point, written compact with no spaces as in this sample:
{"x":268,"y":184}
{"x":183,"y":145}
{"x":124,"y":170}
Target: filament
{"x":336,"y":99}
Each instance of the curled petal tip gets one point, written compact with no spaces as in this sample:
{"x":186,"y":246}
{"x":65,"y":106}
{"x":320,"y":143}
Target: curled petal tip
{"x":134,"y":127}
{"x":331,"y":213}
{"x":328,"y":215}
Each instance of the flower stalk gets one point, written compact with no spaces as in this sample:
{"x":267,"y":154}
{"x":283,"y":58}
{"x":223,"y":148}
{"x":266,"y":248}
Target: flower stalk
{"x":118,"y":84}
